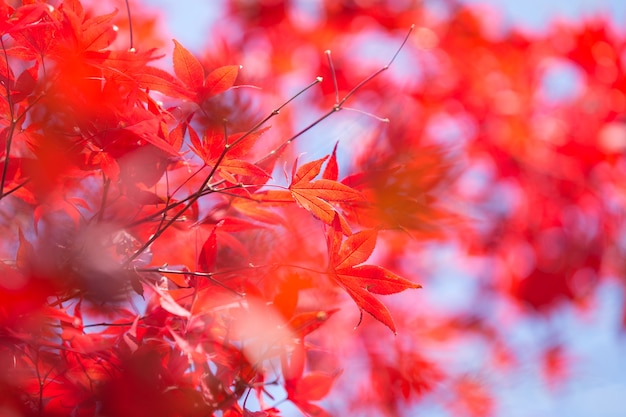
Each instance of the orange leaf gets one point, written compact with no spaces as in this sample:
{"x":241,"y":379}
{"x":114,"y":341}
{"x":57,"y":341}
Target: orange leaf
{"x":187,"y":67}
{"x":176,"y":136}
{"x":239,"y":167}
{"x":97,"y":32}
{"x":360,"y":282}
{"x":256,"y":211}
{"x":369,"y":303}
{"x":331,"y":172}
{"x":328,"y":190}
{"x":24,"y":16}
{"x":318,"y":207}
{"x":307,"y":172}
{"x":286,"y":300}
{"x":212,"y":145}
{"x":208,"y":254}
{"x":304,"y":323}
{"x":356,"y":249}
{"x":147,"y":130}
{"x":275,"y":196}
{"x":244,"y":141}
{"x":197,"y":145}
{"x":375,"y":279}
{"x":316,"y":197}
{"x":219,"y":80}
{"x":156,"y":79}
{"x":313,"y":387}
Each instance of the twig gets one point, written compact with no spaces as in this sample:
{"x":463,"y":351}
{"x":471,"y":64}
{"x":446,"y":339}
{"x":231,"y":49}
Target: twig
{"x":194,"y":197}
{"x":339,"y":104}
{"x":131,"y":48}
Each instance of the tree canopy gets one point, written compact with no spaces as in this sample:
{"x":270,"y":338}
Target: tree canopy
{"x":257,"y":225}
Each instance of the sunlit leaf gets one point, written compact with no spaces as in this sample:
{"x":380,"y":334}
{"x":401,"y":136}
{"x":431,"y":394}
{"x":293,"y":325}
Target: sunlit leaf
{"x":187,"y":67}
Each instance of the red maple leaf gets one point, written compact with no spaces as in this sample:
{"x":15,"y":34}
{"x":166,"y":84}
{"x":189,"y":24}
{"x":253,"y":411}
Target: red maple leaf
{"x":227,"y":155}
{"x":317,"y":196}
{"x":189,"y":70}
{"x":361,"y":281}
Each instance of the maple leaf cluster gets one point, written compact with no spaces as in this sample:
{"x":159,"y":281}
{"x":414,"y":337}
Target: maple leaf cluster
{"x":144,"y":279}
{"x":169,"y":250}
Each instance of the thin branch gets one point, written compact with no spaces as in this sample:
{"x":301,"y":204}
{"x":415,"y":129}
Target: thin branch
{"x":297,"y":135}
{"x":130,"y":323}
{"x":14,"y":189}
{"x":169,"y":205}
{"x":380,"y":119}
{"x":374,"y":75}
{"x":194,"y":197}
{"x":131,"y":48}
{"x":339,"y":104}
{"x":332,"y":71}
{"x":207,"y":275}
{"x":276,"y":111}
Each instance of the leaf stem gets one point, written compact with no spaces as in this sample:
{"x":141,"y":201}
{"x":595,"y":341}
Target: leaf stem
{"x":375,"y":74}
{"x":131,"y":48}
{"x":332,"y":70}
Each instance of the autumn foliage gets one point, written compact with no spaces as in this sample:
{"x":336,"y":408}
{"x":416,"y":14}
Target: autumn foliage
{"x":219,"y":232}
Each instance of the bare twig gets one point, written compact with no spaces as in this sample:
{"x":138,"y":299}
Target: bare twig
{"x":339,"y":104}
{"x":131,"y":48}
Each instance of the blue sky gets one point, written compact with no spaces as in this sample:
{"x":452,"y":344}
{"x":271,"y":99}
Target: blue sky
{"x":186,"y":18}
{"x":536,"y":14}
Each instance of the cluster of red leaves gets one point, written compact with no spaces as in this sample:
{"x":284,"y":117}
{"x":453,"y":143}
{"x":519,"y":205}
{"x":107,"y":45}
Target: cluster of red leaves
{"x":156,"y":263}
{"x":143,"y":276}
